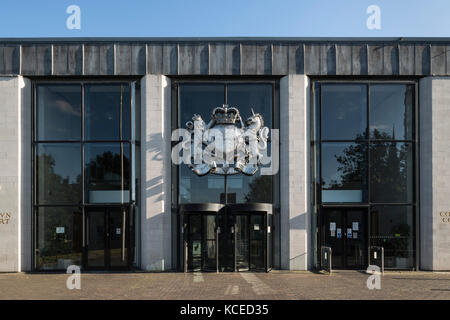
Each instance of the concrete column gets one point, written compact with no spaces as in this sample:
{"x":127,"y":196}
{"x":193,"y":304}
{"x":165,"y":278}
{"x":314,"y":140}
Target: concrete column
{"x":296,"y":253}
{"x":15,"y":174}
{"x":156,"y":173}
{"x":434,"y":173}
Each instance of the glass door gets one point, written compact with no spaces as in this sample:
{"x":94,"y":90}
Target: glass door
{"x":194,"y":226}
{"x":257,"y":241}
{"x":344,"y":230}
{"x":96,"y":239}
{"x":201,"y":242}
{"x":251,"y":241}
{"x":209,"y":242}
{"x":118,"y":253}
{"x":106,"y":245}
{"x":356,"y":238}
{"x":241,"y":231}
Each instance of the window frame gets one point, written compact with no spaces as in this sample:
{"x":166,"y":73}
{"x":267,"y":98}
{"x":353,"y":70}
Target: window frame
{"x":134,"y":140}
{"x":316,"y":157}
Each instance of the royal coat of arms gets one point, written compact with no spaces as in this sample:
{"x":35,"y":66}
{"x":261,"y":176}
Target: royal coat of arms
{"x":228,"y":144}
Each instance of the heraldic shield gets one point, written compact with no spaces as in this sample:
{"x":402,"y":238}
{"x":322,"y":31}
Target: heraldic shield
{"x":227,"y":145}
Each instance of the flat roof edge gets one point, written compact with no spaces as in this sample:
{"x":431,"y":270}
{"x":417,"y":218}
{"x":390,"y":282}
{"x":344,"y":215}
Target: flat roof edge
{"x":225,"y":39}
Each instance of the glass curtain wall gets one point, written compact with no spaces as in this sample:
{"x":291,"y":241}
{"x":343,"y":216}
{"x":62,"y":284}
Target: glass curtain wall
{"x":201,"y":99}
{"x":83,"y":146}
{"x":365,"y":156}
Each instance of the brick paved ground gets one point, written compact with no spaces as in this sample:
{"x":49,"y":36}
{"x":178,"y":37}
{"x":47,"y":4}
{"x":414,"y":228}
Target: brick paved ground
{"x":274,"y":285}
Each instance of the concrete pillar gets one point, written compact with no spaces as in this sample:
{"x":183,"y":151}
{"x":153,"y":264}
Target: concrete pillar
{"x":156,"y":250}
{"x":296,"y":252}
{"x":15,"y":174}
{"x":434,"y":173}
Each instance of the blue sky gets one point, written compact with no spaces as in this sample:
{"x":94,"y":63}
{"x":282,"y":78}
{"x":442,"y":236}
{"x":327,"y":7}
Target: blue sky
{"x":219,"y":18}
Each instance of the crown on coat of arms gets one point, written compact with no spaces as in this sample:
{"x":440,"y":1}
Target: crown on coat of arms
{"x":225,"y":115}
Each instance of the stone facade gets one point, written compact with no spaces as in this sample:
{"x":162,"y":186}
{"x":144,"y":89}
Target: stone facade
{"x":15,"y":174}
{"x":434,"y":173}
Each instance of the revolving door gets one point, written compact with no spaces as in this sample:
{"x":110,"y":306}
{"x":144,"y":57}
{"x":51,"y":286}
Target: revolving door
{"x":226,"y":238}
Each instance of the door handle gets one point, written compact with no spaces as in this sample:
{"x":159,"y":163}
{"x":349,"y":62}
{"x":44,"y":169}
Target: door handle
{"x":123,"y":234}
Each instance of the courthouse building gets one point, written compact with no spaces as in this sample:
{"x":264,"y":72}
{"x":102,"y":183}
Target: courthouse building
{"x":356,"y":130}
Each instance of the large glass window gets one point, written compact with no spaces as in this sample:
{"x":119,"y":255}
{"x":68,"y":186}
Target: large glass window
{"x":202,"y":98}
{"x":58,"y":237}
{"x":84,"y":150}
{"x":107,"y":172}
{"x":391,"y":111}
{"x":364,"y":149}
{"x":344,"y":111}
{"x":107,"y":112}
{"x":392,"y":227}
{"x":58,"y":112}
{"x":344,"y":172}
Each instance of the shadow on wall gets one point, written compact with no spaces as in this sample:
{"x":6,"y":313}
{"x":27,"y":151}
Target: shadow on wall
{"x":298,"y":222}
{"x":156,"y":233}
{"x":153,"y":259}
{"x":154,"y":187}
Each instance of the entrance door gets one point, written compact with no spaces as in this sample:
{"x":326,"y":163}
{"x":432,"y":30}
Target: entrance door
{"x":250,"y":239}
{"x":106,"y":245}
{"x":201,"y":242}
{"x":226,"y":238}
{"x":345,"y":231}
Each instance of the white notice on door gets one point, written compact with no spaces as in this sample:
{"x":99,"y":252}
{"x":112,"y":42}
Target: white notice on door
{"x":117,"y":231}
{"x":355,"y":225}
{"x":332,"y":226}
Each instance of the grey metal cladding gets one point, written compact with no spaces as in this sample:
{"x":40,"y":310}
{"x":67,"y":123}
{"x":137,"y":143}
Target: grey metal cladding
{"x":296,"y":57}
{"x":438,"y":59}
{"x":390,"y":60}
{"x":225,"y":56}
{"x":280,"y":59}
{"x":328,"y":59}
{"x":344,"y":59}
{"x":375,"y":54}
{"x":248,"y":59}
{"x":28,"y":60}
{"x":67,"y":59}
{"x":217,"y":58}
{"x":36,"y":60}
{"x":91,"y":60}
{"x":154,"y":58}
{"x":233,"y":58}
{"x":138,"y":59}
{"x":193,"y":59}
{"x":406,"y":59}
{"x":99,"y":59}
{"x":170,"y":59}
{"x":122,"y":59}
{"x":312,"y":59}
{"x":422,"y":59}
{"x":11,"y":59}
{"x":359,"y":60}
{"x":263,"y":59}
